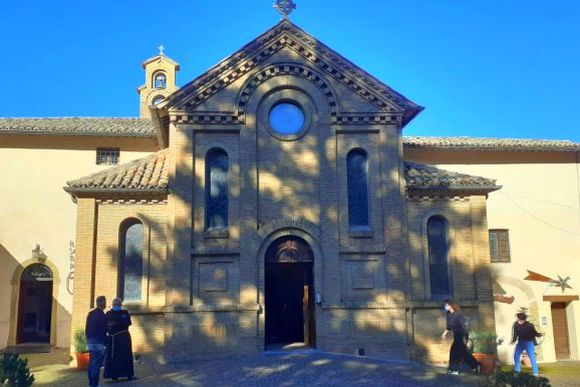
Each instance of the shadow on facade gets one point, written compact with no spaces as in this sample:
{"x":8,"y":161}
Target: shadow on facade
{"x":394,"y":319}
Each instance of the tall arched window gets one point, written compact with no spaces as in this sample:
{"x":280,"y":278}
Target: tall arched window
{"x":160,"y":81}
{"x":216,"y":189}
{"x":131,"y":261}
{"x":358,"y":189}
{"x":438,"y":242}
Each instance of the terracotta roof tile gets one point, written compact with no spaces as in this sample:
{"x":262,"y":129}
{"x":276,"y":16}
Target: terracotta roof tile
{"x":79,"y":126}
{"x":492,"y":144}
{"x":421,"y":176}
{"x":146,"y":174}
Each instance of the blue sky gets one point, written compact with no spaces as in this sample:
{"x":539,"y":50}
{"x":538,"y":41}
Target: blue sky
{"x":486,"y":68}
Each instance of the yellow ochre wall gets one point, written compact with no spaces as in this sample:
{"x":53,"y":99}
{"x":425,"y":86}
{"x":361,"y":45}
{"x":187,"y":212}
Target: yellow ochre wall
{"x":539,"y":204}
{"x":36,"y":210}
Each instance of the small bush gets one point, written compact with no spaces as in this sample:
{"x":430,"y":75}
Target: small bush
{"x":483,"y":342}
{"x":80,"y":341}
{"x":505,"y":378}
{"x":14,"y":371}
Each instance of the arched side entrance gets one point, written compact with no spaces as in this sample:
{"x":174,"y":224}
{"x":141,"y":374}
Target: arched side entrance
{"x":35,"y":305}
{"x":289,"y":292}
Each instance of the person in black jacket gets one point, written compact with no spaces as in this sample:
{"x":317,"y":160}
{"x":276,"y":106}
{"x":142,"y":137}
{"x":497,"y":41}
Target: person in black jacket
{"x":525,"y":333}
{"x":119,"y":360}
{"x":458,"y":350}
{"x":96,"y":331}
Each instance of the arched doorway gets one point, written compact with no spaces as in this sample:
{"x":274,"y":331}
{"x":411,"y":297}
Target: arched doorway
{"x":289,"y":292}
{"x":35,"y":305}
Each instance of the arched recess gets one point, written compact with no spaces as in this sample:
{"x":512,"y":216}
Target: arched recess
{"x":131,"y":268}
{"x":266,"y":243}
{"x":452,"y":258}
{"x":251,"y":86}
{"x":357,"y":176}
{"x":15,"y":299}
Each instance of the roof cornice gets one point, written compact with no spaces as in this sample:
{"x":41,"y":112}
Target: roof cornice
{"x":314,"y":53}
{"x":488,"y":144}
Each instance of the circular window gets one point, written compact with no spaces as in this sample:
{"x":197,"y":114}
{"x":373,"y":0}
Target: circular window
{"x":286,"y":119}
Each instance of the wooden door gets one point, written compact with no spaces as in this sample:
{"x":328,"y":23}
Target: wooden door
{"x":284,"y":303}
{"x":560,"y":324}
{"x":34,"y":312}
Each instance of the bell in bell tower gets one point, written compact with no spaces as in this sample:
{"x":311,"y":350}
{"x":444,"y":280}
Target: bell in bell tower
{"x":160,"y":74}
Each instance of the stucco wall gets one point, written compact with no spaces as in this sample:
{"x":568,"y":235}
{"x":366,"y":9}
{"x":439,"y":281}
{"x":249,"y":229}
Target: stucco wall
{"x":36,"y":210}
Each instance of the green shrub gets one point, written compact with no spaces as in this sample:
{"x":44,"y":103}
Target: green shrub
{"x":14,"y":371}
{"x":483,"y":342}
{"x":80,"y":341}
{"x":505,"y":378}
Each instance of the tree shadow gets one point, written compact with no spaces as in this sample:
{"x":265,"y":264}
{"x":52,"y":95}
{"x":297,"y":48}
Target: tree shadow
{"x":205,"y":295}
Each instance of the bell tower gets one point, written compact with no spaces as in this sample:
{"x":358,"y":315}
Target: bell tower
{"x":160,"y":74}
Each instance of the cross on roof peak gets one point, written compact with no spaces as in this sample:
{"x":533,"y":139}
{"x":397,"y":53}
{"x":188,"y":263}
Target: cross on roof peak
{"x":285,"y":7}
{"x":161,"y":48}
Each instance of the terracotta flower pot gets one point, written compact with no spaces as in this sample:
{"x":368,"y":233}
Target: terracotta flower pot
{"x":83,"y":360}
{"x":487,"y":362}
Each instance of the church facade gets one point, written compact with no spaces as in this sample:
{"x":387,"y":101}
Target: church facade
{"x":274,"y":202}
{"x":280,"y":210}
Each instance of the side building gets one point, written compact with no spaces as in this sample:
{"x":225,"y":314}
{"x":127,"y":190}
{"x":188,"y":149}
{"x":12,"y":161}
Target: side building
{"x":534,"y":230}
{"x":39,"y":225}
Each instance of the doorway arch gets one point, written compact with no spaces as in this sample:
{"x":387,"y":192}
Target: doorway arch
{"x":34,"y":319}
{"x":15,"y":300}
{"x":289,"y":292}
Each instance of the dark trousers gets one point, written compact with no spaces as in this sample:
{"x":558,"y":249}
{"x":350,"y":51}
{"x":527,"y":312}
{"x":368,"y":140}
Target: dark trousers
{"x":460,"y":352}
{"x":97,"y":352}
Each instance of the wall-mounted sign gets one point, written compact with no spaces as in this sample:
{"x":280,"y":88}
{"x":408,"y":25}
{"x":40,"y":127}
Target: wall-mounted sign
{"x":37,"y":272}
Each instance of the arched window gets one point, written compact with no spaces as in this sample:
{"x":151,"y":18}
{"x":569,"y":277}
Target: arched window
{"x":216,"y":189}
{"x":157,"y":99}
{"x":358,"y":189}
{"x":438,"y":242}
{"x":160,"y":81}
{"x":131,"y":261}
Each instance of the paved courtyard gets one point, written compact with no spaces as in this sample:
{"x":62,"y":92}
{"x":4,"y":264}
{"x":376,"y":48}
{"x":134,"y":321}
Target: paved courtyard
{"x":272,"y":369}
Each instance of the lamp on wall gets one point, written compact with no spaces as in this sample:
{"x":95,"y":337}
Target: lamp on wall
{"x":38,"y":254}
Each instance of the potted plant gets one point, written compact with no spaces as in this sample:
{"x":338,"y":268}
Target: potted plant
{"x":81,"y":349}
{"x":484,"y":349}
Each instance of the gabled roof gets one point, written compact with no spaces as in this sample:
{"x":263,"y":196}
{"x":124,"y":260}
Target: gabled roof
{"x":160,"y":56}
{"x":490,"y":144}
{"x":151,"y":175}
{"x":421,"y":177}
{"x":78,"y":126}
{"x":314,"y":52}
{"x":148,"y":174}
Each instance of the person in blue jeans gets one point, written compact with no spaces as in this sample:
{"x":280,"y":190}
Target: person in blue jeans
{"x":96,"y":332}
{"x":525,"y":334}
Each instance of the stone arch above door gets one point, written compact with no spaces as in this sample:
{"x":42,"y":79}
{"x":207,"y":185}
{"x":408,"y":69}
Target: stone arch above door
{"x":15,"y":297}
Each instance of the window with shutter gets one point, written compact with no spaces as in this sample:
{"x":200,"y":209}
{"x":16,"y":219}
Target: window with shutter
{"x":499,"y":245}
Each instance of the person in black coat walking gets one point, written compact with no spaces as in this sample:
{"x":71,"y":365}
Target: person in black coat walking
{"x":119,"y":360}
{"x":96,"y":331}
{"x":458,"y":350}
{"x":525,"y":334}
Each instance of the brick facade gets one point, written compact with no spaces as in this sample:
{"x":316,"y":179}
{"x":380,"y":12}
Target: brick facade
{"x":204,"y":293}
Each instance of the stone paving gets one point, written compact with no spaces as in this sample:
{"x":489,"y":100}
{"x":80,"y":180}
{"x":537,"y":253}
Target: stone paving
{"x":286,"y":369}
